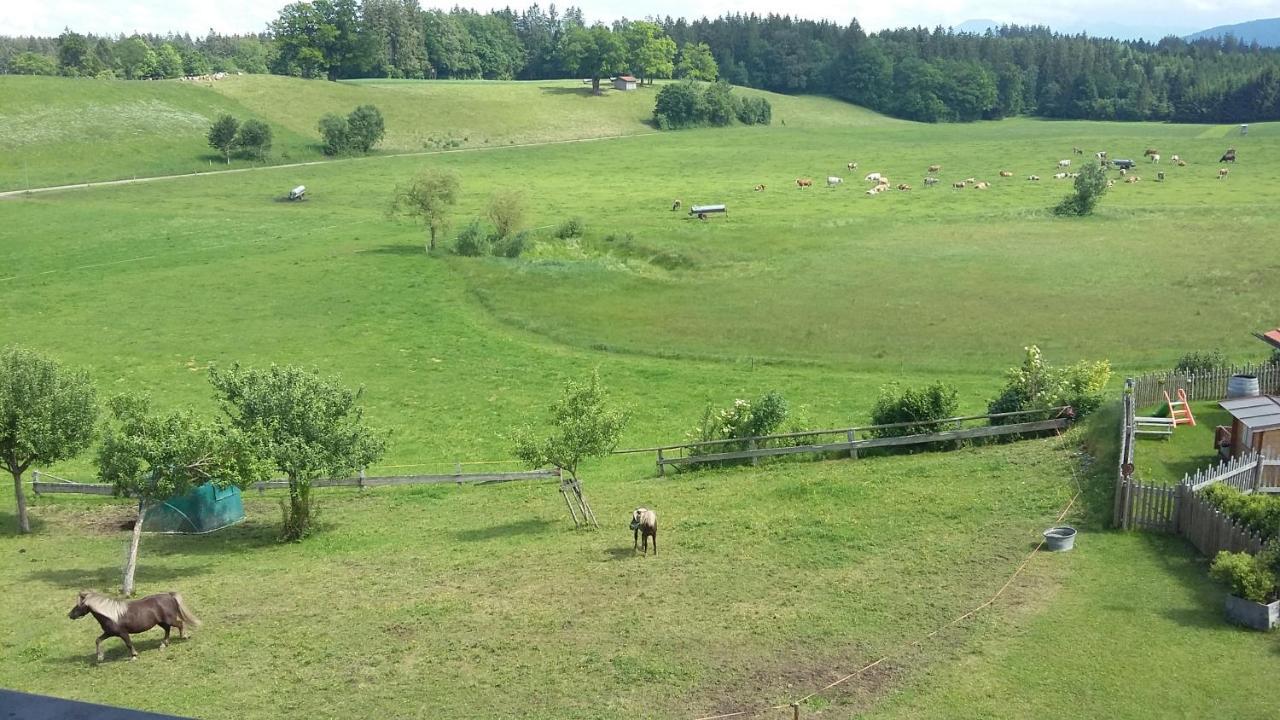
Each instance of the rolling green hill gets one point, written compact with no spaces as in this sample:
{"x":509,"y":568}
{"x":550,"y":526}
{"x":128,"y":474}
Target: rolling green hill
{"x":56,"y":131}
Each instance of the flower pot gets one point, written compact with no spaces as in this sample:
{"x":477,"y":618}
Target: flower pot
{"x":1243,"y":386}
{"x":1059,"y":539}
{"x":1251,"y":614}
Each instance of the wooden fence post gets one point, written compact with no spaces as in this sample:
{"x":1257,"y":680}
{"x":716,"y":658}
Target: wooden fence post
{"x":35,"y":481}
{"x":360,"y":480}
{"x":752,"y":446}
{"x":1257,"y":472}
{"x":662,"y":469}
{"x":853,"y":451}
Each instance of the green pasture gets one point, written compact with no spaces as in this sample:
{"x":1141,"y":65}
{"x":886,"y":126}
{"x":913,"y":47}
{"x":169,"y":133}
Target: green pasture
{"x":481,"y":601}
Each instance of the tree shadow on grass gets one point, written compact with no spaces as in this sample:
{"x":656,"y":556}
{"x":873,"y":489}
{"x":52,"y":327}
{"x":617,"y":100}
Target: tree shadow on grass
{"x":522,"y":527}
{"x":246,"y":536}
{"x":147,"y":576}
{"x":398,"y":249}
{"x":9,"y":525}
{"x":584,"y":91}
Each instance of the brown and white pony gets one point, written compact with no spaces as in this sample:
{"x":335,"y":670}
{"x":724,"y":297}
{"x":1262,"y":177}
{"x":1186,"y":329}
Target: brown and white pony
{"x":121,"y":618}
{"x":644,"y":525}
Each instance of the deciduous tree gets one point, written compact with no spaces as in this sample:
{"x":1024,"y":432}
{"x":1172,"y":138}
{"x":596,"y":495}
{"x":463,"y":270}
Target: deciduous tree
{"x":222,"y":135}
{"x":47,"y":414}
{"x":429,"y":197}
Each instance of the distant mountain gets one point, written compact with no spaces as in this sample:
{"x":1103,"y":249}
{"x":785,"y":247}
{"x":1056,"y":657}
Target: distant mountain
{"x":977,"y":27}
{"x":1263,"y":32}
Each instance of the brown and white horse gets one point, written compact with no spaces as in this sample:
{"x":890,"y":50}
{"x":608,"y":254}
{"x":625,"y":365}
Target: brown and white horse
{"x":121,"y":618}
{"x":644,"y":525}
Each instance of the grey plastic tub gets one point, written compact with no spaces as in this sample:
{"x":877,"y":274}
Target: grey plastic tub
{"x":1059,"y":539}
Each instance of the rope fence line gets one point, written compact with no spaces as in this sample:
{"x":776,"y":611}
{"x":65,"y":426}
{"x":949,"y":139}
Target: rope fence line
{"x":922,"y":640}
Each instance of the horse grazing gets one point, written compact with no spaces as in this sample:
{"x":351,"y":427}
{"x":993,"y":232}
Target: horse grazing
{"x":121,"y":618}
{"x":1150,"y":151}
{"x":1228,"y":156}
{"x":676,"y":205}
{"x":644,"y":525}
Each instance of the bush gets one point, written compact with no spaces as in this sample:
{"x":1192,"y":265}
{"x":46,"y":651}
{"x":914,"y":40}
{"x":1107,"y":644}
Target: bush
{"x":1090,"y":186}
{"x":718,"y":104}
{"x":1036,"y":385}
{"x":512,"y":246}
{"x":908,"y":405}
{"x":335,"y":133}
{"x":1196,"y":362}
{"x":472,"y":240}
{"x":742,"y":419}
{"x":572,"y":228}
{"x":1248,"y":576}
{"x":364,"y":128}
{"x":1258,"y":512}
{"x":678,"y":105}
{"x":254,"y":139}
{"x":754,"y":111}
{"x":506,"y":211}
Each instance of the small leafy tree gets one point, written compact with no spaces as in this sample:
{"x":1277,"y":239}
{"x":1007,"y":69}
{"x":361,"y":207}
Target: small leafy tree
{"x":336,"y":134}
{"x":1200,"y":362}
{"x":1090,"y":186}
{"x":506,"y":211}
{"x":308,"y":426}
{"x":718,"y":103}
{"x":584,"y":425}
{"x":678,"y":105}
{"x":254,"y":138}
{"x":47,"y":414}
{"x":429,"y":197}
{"x":153,"y":457}
{"x":697,"y":63}
{"x":365,"y":128}
{"x":222,"y":135}
{"x":1036,"y":385}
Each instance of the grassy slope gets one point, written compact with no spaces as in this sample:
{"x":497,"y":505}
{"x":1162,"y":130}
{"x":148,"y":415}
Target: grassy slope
{"x":481,"y":602}
{"x":146,"y":284}
{"x":58,"y":130}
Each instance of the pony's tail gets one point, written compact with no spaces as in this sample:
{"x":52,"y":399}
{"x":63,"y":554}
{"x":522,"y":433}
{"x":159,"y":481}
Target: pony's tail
{"x":184,"y":612}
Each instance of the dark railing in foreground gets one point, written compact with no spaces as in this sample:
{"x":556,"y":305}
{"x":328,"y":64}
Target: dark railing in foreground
{"x":66,"y":486}
{"x":754,"y":448}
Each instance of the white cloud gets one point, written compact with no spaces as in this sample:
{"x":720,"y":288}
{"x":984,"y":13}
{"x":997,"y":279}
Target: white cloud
{"x":47,"y":17}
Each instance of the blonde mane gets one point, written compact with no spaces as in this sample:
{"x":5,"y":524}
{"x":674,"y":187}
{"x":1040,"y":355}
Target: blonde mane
{"x":104,"y":605}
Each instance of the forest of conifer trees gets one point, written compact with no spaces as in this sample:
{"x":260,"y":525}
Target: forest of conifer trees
{"x":931,"y":75}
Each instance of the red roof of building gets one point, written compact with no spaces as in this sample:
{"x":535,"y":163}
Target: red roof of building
{"x":627,"y":78}
{"x":1271,"y":337}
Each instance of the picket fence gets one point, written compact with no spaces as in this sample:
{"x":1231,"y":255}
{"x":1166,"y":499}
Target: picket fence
{"x":1149,"y":389}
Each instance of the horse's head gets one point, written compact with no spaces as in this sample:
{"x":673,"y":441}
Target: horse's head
{"x":80,"y":610}
{"x":637,"y":516}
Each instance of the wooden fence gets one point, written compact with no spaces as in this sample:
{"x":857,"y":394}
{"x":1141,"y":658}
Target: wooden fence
{"x":1211,"y":531}
{"x":1149,"y":389}
{"x":754,"y":448}
{"x":1124,"y":469}
{"x":59,"y":485}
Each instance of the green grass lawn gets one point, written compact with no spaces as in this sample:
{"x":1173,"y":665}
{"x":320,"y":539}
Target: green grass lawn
{"x":480,"y":601}
{"x":1168,"y":460}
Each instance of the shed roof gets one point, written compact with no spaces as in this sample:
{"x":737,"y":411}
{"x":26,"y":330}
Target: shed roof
{"x":627,"y":78}
{"x":1255,"y":413}
{"x":1271,"y":337}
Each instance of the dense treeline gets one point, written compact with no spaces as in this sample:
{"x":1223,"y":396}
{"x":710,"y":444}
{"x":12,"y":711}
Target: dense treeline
{"x":917,"y":73}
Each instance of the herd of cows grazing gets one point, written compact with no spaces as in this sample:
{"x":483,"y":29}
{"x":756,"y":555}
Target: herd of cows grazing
{"x":881,"y":183}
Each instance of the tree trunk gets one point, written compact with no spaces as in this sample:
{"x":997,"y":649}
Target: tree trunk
{"x":131,"y":562}
{"x":595,"y":84}
{"x":227,"y":152}
{"x":24,"y":525}
{"x":297,"y":513}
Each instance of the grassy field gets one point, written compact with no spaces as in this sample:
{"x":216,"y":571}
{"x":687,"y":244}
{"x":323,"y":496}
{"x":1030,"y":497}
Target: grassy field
{"x":479,"y":601}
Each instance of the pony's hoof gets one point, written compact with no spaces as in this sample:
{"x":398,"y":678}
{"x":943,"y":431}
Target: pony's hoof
{"x":133,"y":658}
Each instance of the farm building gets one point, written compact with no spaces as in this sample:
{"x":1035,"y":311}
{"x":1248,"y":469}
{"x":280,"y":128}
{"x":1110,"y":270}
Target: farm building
{"x":624,"y":83}
{"x":1255,"y":424}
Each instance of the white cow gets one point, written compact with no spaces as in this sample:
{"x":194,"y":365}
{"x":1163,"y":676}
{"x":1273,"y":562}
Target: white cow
{"x":873,"y":177}
{"x":833,"y":181}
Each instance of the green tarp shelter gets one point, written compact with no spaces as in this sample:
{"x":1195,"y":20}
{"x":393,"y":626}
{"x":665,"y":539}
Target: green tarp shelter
{"x":203,"y":510}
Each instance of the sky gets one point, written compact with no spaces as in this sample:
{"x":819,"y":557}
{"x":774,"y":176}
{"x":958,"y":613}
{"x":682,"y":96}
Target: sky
{"x":1152,"y":19}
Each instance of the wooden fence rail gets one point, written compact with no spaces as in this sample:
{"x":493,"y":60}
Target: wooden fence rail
{"x":1211,"y":531}
{"x":66,"y":486}
{"x":852,"y":446}
{"x":1149,"y":389}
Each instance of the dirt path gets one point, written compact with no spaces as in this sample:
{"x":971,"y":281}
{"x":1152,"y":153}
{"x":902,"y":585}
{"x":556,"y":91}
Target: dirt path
{"x":156,"y":178}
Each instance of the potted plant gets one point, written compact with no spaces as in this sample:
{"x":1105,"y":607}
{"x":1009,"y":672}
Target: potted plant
{"x":1254,"y":600}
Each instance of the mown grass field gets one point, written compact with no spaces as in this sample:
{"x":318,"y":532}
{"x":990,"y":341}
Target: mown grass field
{"x":480,"y":601}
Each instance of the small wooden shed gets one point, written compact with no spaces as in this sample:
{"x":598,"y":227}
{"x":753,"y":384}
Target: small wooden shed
{"x":1255,"y":424}
{"x":624,"y":83}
